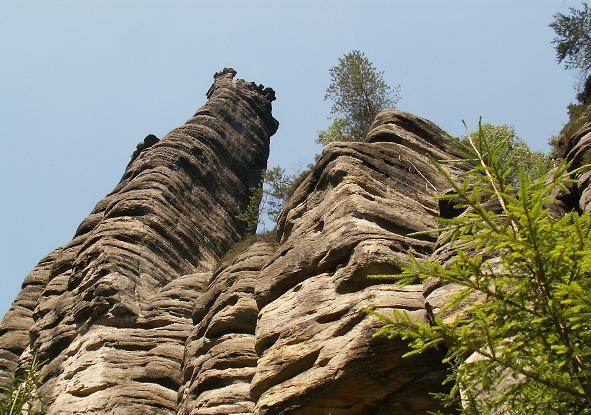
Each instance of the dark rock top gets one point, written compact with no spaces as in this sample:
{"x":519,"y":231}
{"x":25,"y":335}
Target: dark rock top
{"x":259,"y":96}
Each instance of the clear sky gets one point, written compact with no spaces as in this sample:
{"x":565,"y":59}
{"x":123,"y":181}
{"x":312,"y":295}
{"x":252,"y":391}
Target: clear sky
{"x":81,"y":82}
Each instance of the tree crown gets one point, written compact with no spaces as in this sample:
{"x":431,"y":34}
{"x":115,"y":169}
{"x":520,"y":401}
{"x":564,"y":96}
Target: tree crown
{"x":573,"y":38}
{"x":358,"y":93}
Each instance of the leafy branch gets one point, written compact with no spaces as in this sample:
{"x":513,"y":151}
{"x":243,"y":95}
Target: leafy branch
{"x":518,"y":327}
{"x":20,"y":396}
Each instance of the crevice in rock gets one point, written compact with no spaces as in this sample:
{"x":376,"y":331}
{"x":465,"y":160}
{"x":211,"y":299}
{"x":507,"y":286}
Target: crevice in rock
{"x":290,"y":371}
{"x":165,"y":382}
{"x":83,"y":393}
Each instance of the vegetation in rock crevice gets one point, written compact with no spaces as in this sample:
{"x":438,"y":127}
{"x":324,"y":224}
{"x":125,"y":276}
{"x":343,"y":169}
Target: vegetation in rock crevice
{"x":268,"y":198}
{"x":20,"y":396}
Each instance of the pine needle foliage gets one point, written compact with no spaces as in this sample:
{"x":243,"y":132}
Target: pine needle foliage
{"x":20,"y":396}
{"x":358,"y":93}
{"x":524,"y":347}
{"x":573,"y":38}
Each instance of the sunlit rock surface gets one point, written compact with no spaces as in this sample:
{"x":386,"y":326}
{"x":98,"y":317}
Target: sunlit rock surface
{"x":116,"y":302}
{"x":15,"y":327}
{"x":136,"y":316}
{"x":352,"y":217}
{"x":220,"y":358}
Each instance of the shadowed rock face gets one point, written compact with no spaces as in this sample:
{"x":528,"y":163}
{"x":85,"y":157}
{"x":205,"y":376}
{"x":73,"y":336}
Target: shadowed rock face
{"x":220,"y":358}
{"x":350,"y":218}
{"x":116,"y":305}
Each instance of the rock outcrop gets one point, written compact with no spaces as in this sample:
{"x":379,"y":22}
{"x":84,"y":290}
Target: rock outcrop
{"x":352,"y":217}
{"x":117,"y":300}
{"x":15,"y":327}
{"x":220,"y":357}
{"x":578,"y":154}
{"x":133,"y":318}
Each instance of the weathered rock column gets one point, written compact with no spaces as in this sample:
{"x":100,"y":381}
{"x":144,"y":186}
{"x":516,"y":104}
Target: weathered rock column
{"x":114,"y":315}
{"x":353,"y":216}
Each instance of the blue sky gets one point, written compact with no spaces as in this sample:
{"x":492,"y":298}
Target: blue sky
{"x":82,"y":82}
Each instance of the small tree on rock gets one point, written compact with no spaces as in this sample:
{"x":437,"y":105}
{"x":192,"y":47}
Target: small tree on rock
{"x":358,"y":93}
{"x":573,"y":42}
{"x":267,"y":199}
{"x":573,"y":38}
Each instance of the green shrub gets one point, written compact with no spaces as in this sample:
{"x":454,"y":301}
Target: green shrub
{"x":20,"y":396}
{"x":337,"y":131}
{"x":267,"y":199}
{"x":531,"y":332}
{"x":516,"y":152}
{"x":251,"y":216}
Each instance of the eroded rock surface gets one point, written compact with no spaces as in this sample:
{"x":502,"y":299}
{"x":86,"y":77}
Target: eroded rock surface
{"x":134,"y":320}
{"x":115,"y":311}
{"x":220,"y":358}
{"x":14,"y":329}
{"x":351,"y":217}
{"x":579,"y":154}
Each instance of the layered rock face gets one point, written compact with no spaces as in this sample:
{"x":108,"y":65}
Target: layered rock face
{"x":133,"y":318}
{"x":112,"y":309}
{"x":350,"y":218}
{"x":220,"y":357}
{"x":578,"y":153}
{"x":14,"y":329}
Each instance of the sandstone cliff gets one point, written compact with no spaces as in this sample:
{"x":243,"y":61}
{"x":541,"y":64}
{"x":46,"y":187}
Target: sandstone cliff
{"x":350,"y":218}
{"x":111,"y":310}
{"x":135,"y":315}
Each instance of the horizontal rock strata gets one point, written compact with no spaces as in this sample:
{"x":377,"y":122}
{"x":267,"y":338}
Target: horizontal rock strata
{"x":14,"y":329}
{"x":579,"y":154}
{"x":133,"y":319}
{"x":220,"y":358}
{"x":350,"y":218}
{"x":115,"y":313}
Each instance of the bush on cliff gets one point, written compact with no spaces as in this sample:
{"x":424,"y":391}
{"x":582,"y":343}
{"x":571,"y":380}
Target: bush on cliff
{"x":267,"y":199}
{"x":20,"y":396}
{"x":525,"y":346}
{"x":517,"y":153}
{"x":358,"y":93}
